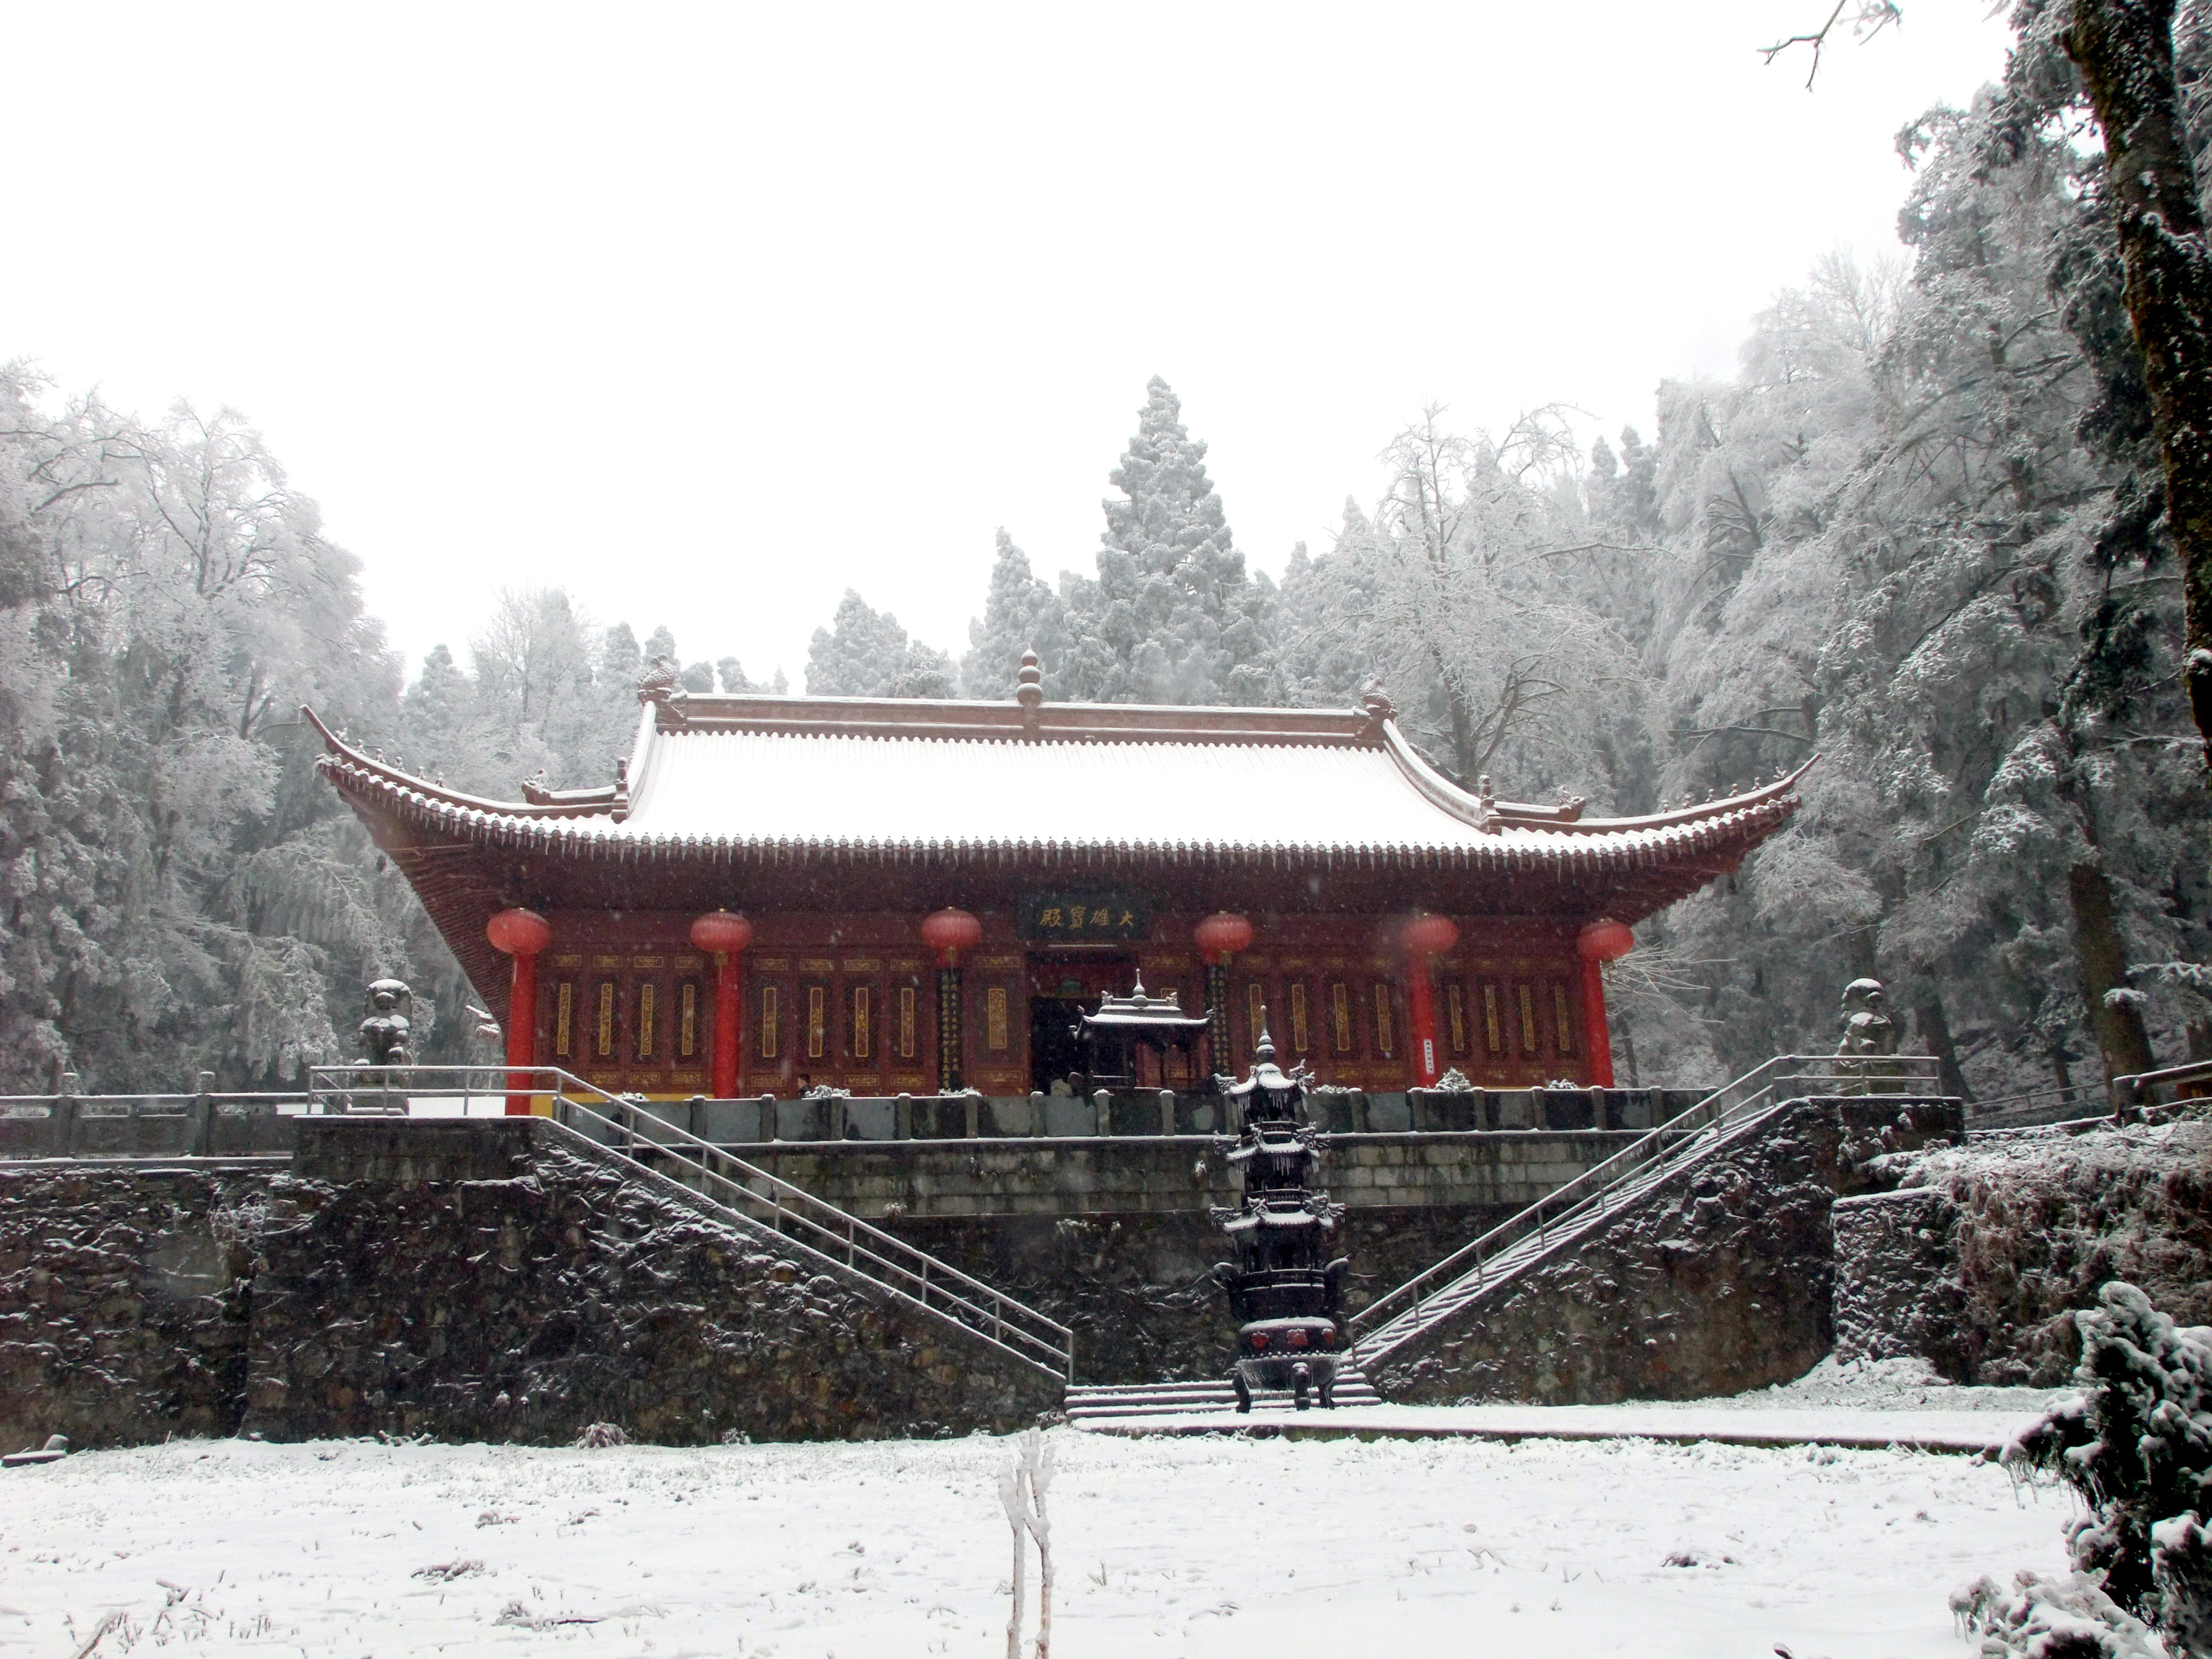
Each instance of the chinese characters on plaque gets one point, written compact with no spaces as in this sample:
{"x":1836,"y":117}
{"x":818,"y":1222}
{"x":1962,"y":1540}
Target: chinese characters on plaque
{"x":1084,"y":918}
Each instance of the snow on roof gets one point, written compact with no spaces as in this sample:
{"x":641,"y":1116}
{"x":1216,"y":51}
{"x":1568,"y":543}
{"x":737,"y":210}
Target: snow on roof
{"x":849,"y":773}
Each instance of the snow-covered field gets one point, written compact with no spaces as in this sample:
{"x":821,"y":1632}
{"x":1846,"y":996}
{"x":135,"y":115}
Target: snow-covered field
{"x":1163,"y":1546}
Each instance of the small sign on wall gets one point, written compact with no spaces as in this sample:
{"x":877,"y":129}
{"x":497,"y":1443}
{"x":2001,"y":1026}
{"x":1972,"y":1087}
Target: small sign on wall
{"x":1099,"y":918}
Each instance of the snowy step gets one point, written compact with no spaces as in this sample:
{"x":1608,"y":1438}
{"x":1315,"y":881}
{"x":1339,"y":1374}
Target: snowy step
{"x":1088,"y":1401}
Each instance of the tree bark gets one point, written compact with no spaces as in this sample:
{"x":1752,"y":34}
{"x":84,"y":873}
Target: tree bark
{"x":2125,"y":48}
{"x":2118,"y":1025}
{"x":1935,"y":1033}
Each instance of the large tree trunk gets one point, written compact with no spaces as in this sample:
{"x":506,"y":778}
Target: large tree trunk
{"x":1935,"y":1034}
{"x":2125,"y":48}
{"x":2118,"y":1023}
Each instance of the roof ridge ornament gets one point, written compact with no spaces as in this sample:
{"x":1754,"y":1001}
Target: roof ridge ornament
{"x":658,"y":683}
{"x":1030,"y":693}
{"x":1375,"y":704}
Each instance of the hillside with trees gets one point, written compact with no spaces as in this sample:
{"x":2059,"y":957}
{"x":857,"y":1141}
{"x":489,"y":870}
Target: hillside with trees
{"x":1921,"y":534}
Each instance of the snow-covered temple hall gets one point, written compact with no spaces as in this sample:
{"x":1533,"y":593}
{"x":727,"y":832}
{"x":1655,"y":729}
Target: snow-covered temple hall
{"x":890,"y":897}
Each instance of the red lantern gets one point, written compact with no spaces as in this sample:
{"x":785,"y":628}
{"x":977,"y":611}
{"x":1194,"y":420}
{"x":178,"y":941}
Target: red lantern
{"x":949,"y":932}
{"x":519,"y":932}
{"x":1221,"y":935}
{"x":1427,"y":935}
{"x":1604,"y":940}
{"x":720,"y":932}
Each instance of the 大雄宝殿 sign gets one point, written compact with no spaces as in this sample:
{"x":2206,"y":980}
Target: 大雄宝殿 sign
{"x":1084,"y":918}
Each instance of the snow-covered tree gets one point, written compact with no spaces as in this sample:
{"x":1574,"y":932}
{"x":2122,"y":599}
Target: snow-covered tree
{"x":864,"y":653}
{"x":1021,"y":612}
{"x":1172,"y":616}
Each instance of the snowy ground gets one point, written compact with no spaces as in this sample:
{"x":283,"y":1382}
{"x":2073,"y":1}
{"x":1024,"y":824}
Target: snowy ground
{"x":1164,"y":1546}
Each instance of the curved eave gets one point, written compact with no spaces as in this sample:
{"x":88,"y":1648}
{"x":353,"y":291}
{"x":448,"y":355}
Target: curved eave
{"x":1726,"y":830}
{"x":563,"y":804}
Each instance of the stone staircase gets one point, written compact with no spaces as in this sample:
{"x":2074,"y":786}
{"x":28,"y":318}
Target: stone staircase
{"x":1094,"y":1402}
{"x":1481,"y":1270}
{"x":723,"y":1187}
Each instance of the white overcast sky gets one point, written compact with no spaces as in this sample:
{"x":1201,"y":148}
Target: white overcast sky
{"x":707,"y":313}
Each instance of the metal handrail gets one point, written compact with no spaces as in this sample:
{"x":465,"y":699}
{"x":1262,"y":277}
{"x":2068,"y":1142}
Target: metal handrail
{"x":1593,"y":1191}
{"x":221,"y":1097}
{"x":899,"y":1267}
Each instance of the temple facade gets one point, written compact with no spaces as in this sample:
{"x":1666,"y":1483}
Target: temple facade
{"x":916,"y":896}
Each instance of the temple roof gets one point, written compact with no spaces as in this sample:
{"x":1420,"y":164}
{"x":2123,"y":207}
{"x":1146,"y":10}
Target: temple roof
{"x":858,"y":804}
{"x":721,"y":774}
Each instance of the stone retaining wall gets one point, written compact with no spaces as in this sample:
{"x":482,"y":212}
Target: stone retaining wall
{"x":488,"y":1279}
{"x":1896,"y":1280}
{"x":124,"y":1301}
{"x":1979,"y":1263}
{"x":1717,"y":1280}
{"x":1159,"y":1176}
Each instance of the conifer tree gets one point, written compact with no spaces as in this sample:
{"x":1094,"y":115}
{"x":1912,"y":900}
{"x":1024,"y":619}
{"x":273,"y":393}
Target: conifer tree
{"x":864,"y":653}
{"x":1172,"y":616}
{"x":1021,"y":613}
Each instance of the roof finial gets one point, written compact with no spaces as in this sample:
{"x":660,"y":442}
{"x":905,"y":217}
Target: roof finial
{"x":1263,"y":1051}
{"x":1030,"y":693}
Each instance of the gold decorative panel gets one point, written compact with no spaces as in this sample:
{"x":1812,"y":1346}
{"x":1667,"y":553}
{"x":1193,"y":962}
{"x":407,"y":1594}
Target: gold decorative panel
{"x":1493,"y":1037}
{"x":646,"y":1024}
{"x":818,"y":1020}
{"x":994,"y":1018}
{"x":1562,"y":1024}
{"x":1386,"y":1035}
{"x":1456,"y":1010}
{"x":1298,"y":1043}
{"x":1528,"y":1001}
{"x":687,"y":1020}
{"x":1339,"y":1015}
{"x":769,"y":1035}
{"x":604,"y":1046}
{"x":906,"y":1021}
{"x":863,"y":1024}
{"x":564,"y":1020}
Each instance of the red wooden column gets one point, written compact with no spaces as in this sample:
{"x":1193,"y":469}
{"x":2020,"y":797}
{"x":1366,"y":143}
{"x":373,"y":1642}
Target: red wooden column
{"x":1424,"y":936}
{"x":726,"y":937}
{"x":949,"y":932}
{"x":1602,"y":942}
{"x":1220,"y":936}
{"x":521,"y":934}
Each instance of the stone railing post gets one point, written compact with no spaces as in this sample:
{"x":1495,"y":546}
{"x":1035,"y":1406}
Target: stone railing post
{"x":63,"y":1118}
{"x":1102,"y":1102}
{"x":200,"y":1141}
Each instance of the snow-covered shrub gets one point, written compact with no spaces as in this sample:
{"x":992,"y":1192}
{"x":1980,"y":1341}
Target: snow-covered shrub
{"x":1454,"y":1082}
{"x":2137,"y":1448}
{"x":2049,"y":1619}
{"x":599,"y":1435}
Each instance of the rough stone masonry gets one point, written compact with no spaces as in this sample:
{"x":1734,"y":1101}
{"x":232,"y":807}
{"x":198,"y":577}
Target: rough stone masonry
{"x":497,"y":1280}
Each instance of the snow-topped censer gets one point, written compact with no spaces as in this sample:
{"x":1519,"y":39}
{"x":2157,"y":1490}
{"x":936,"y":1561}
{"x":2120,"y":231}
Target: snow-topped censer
{"x":1282,"y":1289}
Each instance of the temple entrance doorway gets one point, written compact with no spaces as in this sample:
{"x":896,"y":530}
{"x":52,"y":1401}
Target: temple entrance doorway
{"x":1063,"y":989}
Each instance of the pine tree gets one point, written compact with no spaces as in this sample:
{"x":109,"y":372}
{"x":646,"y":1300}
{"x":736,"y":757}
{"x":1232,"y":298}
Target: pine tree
{"x":1172,"y":616}
{"x":1021,"y":613}
{"x":864,"y":653}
